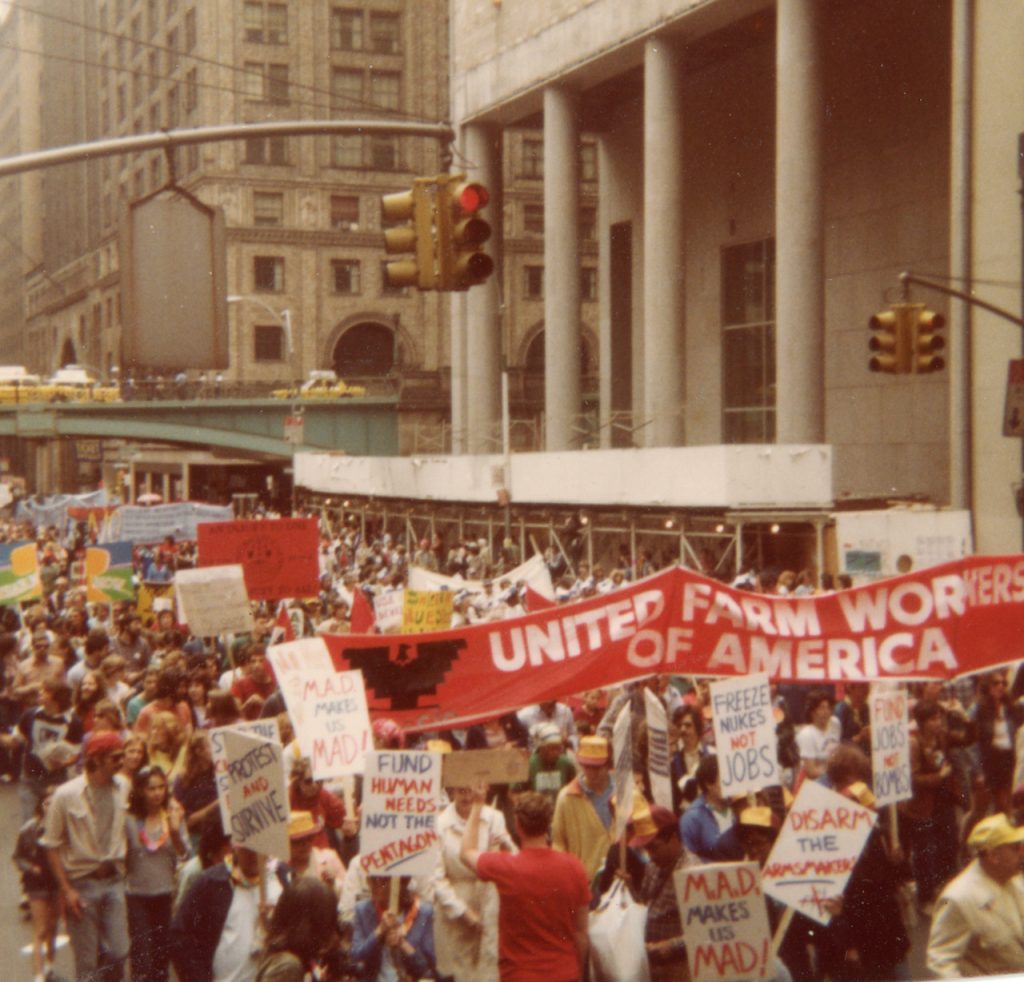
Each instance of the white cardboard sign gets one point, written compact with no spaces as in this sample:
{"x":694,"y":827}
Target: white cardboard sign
{"x":819,"y":844}
{"x":213,"y":600}
{"x":890,"y":744}
{"x":745,"y":738}
{"x":401,"y":801}
{"x":725,"y":921}
{"x":252,"y":790}
{"x":387,"y":611}
{"x":659,"y":758}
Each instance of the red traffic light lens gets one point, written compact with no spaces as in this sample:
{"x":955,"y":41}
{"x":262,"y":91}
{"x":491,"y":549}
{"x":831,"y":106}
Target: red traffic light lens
{"x":473,"y":197}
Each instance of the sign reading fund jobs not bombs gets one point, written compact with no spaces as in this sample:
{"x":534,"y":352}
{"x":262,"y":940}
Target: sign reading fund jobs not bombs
{"x":819,"y":844}
{"x":252,"y":790}
{"x":890,"y":744}
{"x":401,"y":800}
{"x":748,"y":756}
{"x":725,"y":921}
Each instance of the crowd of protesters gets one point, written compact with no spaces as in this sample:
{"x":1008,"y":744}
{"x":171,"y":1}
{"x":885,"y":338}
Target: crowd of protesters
{"x":106,"y":714}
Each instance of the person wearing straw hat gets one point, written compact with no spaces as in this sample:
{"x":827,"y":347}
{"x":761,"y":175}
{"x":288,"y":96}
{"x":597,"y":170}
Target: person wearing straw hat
{"x":978,"y":928}
{"x":304,"y":858}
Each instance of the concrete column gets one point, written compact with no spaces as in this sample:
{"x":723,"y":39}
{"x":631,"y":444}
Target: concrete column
{"x":561,"y":270}
{"x":664,"y":270}
{"x":483,"y":309}
{"x":799,"y":197}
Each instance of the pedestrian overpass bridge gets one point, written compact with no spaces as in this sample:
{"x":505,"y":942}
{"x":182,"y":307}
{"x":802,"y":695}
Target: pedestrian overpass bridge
{"x":365,"y":426}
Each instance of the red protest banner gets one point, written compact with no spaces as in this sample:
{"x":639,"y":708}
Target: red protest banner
{"x":278,"y":557}
{"x":935,"y":623}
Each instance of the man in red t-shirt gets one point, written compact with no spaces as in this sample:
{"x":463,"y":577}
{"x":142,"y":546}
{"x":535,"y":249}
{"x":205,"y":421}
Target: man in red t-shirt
{"x":545,"y":897}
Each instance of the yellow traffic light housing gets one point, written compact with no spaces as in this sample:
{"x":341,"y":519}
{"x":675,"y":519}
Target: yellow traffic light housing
{"x":891,"y":341}
{"x":417,"y":237}
{"x":927,"y":341}
{"x":461,"y":232}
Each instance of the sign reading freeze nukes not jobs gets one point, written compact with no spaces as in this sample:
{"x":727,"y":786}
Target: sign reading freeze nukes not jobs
{"x":745,"y":738}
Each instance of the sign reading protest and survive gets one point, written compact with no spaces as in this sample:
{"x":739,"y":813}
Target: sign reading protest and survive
{"x":19,"y":573}
{"x":725,"y":921}
{"x":252,"y":790}
{"x":936,"y":623}
{"x":745,"y":738}
{"x":820,"y":842}
{"x":401,"y":801}
{"x":214,"y":601}
{"x":108,"y":573}
{"x":426,"y":610}
{"x":890,"y":744}
{"x":659,"y":758}
{"x":278,"y":556}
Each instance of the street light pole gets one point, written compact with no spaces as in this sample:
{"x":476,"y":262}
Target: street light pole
{"x":284,"y":317}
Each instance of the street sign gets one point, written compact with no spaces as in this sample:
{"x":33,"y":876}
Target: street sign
{"x":1013,"y":417}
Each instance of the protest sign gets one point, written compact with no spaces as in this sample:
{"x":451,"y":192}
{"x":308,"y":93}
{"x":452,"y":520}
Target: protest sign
{"x":19,"y":573}
{"x":659,"y":761}
{"x":820,"y":842}
{"x":890,"y":744}
{"x":401,"y":800}
{"x":108,"y":573}
{"x":291,"y":658}
{"x":426,"y":610}
{"x":332,"y":725}
{"x":279,"y":556}
{"x":214,"y":601}
{"x":262,"y":729}
{"x":935,"y":623}
{"x":534,"y":573}
{"x":150,"y":524}
{"x":387,"y":610}
{"x":725,"y":921}
{"x":622,"y":758}
{"x":465,"y":768}
{"x":252,"y":790}
{"x":741,"y":711}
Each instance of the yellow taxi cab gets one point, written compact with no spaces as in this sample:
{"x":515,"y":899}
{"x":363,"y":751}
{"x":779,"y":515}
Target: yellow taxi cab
{"x":321,"y":384}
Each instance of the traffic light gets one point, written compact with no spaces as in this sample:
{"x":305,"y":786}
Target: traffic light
{"x":926,"y":341}
{"x":891,"y":341}
{"x":417,"y":237}
{"x":460,"y":233}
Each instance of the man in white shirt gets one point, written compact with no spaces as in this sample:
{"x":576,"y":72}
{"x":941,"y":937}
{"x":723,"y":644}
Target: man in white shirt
{"x":550,"y":712}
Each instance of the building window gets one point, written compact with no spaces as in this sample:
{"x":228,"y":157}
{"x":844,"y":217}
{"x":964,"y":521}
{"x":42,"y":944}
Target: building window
{"x":266,"y":23}
{"x":533,"y":219}
{"x":533,"y":281}
{"x":154,"y":117}
{"x":156,"y":173}
{"x":267,"y":208}
{"x":384,"y":89}
{"x":533,"y":159}
{"x":588,"y":162}
{"x":252,"y":80}
{"x":172,"y":50}
{"x":345,"y":212}
{"x":384,"y":152}
{"x":266,"y":150}
{"x":347,"y":151}
{"x":748,"y":343}
{"x":345,"y":273}
{"x":588,"y":284}
{"x":154,"y":16}
{"x":268,"y":342}
{"x":136,"y":31}
{"x":385,"y":32}
{"x":153,"y":69}
{"x":277,"y":83}
{"x":122,"y":103}
{"x":346,"y":90}
{"x":588,"y":224}
{"x":268,"y":273}
{"x":191,"y":89}
{"x":190,"y":29}
{"x":266,"y":83}
{"x":172,"y":107}
{"x":346,"y":29}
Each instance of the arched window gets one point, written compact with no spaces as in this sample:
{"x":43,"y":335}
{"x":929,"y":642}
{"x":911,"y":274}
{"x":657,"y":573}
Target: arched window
{"x":535,"y":356}
{"x":365,"y":350}
{"x":67,"y":353}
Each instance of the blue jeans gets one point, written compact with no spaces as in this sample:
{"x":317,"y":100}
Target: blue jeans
{"x":102,"y":926}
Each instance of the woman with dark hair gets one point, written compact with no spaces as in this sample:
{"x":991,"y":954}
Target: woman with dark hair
{"x":996,"y":717}
{"x":303,"y":930}
{"x":195,"y":789}
{"x":90,"y":691}
{"x":404,"y":939}
{"x":154,"y":848}
{"x":197,"y":691}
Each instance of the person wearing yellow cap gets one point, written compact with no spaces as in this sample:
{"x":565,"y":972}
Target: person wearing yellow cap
{"x":978,"y":927}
